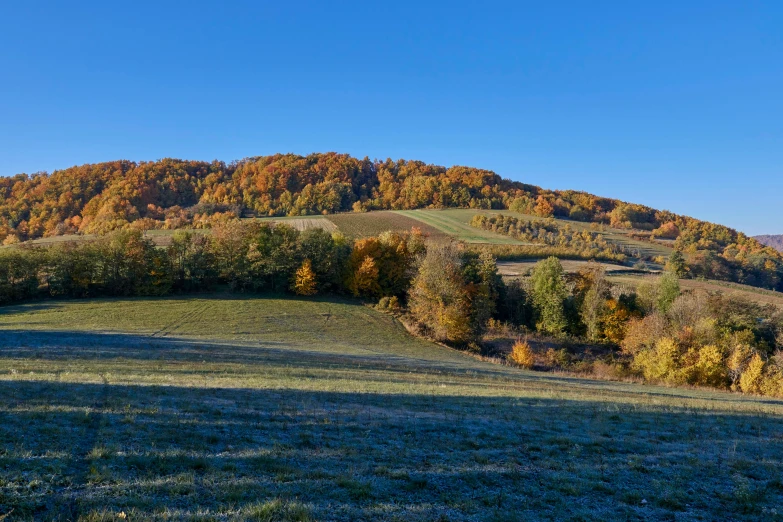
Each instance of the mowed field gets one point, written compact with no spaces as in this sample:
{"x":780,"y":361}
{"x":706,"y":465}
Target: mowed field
{"x":218,"y":407}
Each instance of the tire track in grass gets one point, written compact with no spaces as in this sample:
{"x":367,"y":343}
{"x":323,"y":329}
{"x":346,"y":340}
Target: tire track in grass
{"x":182,"y":320}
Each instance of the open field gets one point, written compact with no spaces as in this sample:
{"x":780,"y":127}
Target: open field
{"x":456,"y":223}
{"x":518,"y":268}
{"x":750,"y":292}
{"x":301,"y":223}
{"x":368,"y":224}
{"x":218,"y":407}
{"x":630,"y":276}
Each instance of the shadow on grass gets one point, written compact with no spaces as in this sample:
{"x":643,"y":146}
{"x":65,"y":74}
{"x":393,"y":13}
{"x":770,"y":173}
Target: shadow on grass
{"x":262,"y":356}
{"x":223,"y":294}
{"x":67,"y":450}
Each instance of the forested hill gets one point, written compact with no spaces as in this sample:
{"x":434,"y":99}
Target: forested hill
{"x":171,"y":193}
{"x":774,"y":241}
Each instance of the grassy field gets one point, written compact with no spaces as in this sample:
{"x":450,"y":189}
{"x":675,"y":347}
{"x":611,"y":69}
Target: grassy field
{"x":630,"y":276}
{"x":218,"y":407}
{"x":519,"y":268}
{"x":456,"y":223}
{"x":750,"y":292}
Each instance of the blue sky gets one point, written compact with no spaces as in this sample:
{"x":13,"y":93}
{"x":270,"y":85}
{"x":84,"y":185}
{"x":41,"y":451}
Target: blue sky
{"x":677,"y":105}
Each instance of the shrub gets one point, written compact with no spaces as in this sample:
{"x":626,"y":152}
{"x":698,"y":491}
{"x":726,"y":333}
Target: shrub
{"x":659,"y":363}
{"x":751,"y":379}
{"x":711,"y":368}
{"x":388,"y":304}
{"x":522,"y":354}
{"x":557,"y":358}
{"x":772,"y":384}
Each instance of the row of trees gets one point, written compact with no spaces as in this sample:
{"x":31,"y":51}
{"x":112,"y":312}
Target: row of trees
{"x":451,"y":293}
{"x":243,"y":256}
{"x":583,"y":244}
{"x":170,"y":193}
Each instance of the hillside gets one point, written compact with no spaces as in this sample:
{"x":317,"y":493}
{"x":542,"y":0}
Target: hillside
{"x":223,"y":407}
{"x":774,"y":241}
{"x":171,"y":193}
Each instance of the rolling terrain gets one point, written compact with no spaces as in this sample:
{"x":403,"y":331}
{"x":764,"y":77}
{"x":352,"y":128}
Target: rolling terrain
{"x":219,"y":407}
{"x":454,"y":223}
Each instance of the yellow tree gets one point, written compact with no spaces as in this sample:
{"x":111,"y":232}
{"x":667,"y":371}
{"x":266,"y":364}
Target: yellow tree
{"x":365,"y":281}
{"x":304,"y":283}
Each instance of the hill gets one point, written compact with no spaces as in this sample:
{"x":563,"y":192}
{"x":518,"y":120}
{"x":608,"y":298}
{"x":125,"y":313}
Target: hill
{"x":774,"y":241}
{"x":171,"y":193}
{"x":223,"y":407}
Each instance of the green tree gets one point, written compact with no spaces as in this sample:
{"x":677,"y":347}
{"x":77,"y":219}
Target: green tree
{"x":676,"y":264}
{"x":667,"y":291}
{"x":594,"y":306}
{"x":548,"y":291}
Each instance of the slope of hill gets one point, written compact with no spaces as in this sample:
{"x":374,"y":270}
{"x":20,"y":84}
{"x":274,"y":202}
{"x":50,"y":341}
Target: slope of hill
{"x":219,"y":407}
{"x":171,"y":193}
{"x":774,"y":241}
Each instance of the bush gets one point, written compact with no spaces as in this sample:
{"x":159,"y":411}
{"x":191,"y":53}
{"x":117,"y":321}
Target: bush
{"x":557,"y":358}
{"x":751,"y":379}
{"x":388,"y":304}
{"x":711,"y":368}
{"x":522,"y":354}
{"x":659,"y":364}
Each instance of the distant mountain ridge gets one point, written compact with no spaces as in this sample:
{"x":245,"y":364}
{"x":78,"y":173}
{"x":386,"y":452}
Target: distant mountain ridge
{"x":774,"y":241}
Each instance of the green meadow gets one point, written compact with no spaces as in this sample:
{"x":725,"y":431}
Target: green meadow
{"x":224,"y":407}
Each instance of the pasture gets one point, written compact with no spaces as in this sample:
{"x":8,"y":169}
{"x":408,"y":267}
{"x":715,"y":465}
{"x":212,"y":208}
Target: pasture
{"x":225,"y":407}
{"x":456,"y":223}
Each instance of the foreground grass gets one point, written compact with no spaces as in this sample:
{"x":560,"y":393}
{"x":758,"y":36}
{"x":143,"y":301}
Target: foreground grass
{"x":226,"y":408}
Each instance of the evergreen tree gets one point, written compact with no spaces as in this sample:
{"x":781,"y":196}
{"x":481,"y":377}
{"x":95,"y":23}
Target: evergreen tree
{"x":676,"y":264}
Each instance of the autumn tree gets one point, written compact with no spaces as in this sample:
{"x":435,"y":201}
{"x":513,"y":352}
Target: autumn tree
{"x":594,"y":301}
{"x":438,"y":297}
{"x":304,"y":282}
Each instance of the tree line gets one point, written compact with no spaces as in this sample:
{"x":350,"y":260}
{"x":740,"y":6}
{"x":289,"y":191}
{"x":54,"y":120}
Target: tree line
{"x":446,"y":291}
{"x":171,"y":193}
{"x":581,"y":244}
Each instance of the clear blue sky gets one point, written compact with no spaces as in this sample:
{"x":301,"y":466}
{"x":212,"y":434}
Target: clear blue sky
{"x":677,"y":105}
